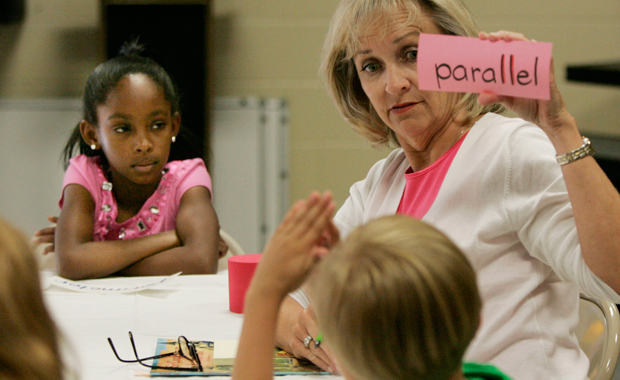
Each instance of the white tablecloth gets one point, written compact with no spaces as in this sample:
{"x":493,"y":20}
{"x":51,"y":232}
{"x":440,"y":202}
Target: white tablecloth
{"x":194,"y":306}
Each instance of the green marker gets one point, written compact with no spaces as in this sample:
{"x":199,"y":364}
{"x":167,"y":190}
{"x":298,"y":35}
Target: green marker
{"x":317,"y":341}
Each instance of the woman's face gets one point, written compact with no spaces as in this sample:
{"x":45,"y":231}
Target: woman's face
{"x":387,"y":67}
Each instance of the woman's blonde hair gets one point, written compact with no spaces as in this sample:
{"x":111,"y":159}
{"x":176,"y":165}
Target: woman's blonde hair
{"x":397,"y":300}
{"x":27,"y":331}
{"x":349,"y":23}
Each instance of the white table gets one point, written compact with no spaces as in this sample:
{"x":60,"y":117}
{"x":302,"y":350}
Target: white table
{"x":194,"y":306}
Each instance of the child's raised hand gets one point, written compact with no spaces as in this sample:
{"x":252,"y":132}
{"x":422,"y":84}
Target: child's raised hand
{"x":306,"y":233}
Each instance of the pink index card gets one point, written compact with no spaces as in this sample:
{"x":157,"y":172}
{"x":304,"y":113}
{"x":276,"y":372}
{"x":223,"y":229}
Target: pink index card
{"x":466,"y":64}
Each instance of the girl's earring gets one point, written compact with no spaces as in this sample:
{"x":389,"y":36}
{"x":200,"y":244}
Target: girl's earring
{"x":174,"y":138}
{"x":93,"y":146}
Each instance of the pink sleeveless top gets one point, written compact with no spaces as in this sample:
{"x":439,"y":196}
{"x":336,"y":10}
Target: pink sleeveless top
{"x":421,"y":188}
{"x":159,"y":212}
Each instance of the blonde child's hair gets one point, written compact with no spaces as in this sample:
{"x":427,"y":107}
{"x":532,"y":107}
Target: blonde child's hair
{"x":352,"y":20}
{"x":27,"y":330}
{"x":397,"y":300}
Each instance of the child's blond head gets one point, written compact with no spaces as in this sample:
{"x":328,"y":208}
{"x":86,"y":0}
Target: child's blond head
{"x":397,"y":300}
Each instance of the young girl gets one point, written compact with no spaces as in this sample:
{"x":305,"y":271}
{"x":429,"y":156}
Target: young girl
{"x":397,"y":300}
{"x":26,"y":325}
{"x":125,"y":208}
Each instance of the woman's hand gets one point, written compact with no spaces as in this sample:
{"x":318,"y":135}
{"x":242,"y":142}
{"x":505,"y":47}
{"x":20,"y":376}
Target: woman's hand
{"x":306,"y":326}
{"x":551,"y":115}
{"x":46,"y":236}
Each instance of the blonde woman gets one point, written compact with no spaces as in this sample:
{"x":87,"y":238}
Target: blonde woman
{"x":28,"y":333}
{"x":522,"y":197}
{"x":397,"y":300}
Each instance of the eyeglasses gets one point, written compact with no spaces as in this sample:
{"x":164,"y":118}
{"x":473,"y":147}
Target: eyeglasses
{"x":184,"y":348}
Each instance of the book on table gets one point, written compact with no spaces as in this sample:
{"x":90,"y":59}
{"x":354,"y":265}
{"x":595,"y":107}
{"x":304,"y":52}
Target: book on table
{"x":283,"y":362}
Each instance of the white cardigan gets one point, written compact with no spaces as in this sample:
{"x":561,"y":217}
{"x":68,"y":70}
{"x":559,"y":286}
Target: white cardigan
{"x":504,"y":202}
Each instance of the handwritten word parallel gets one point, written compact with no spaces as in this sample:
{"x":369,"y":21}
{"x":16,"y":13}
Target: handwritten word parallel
{"x":460,"y":72}
{"x":463,"y":64}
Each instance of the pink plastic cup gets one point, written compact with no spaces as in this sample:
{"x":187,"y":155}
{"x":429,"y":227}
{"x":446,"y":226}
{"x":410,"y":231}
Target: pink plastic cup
{"x":240,"y":271}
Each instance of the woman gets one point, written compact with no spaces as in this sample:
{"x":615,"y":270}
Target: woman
{"x":537,"y":231}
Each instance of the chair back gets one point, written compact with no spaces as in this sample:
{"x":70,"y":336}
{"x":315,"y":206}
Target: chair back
{"x":598,"y":333}
{"x":234,"y":249}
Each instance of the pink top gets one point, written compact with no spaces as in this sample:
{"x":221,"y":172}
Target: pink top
{"x":159,"y":212}
{"x":421,"y":187}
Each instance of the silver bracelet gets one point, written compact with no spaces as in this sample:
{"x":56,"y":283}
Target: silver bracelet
{"x":579,"y":153}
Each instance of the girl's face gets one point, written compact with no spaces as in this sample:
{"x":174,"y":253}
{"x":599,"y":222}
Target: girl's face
{"x":135,"y":130}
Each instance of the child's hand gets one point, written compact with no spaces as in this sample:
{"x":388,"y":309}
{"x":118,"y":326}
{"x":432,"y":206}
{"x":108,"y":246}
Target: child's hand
{"x":306,"y":233}
{"x":46,"y":235}
{"x":222,"y":247}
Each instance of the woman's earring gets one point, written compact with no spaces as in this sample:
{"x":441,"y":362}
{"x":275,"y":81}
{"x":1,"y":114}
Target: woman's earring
{"x":93,"y":146}
{"x":174,"y":138}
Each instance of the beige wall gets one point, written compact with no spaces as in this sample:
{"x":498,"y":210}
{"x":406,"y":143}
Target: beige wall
{"x":582,"y":31}
{"x":271,"y":48}
{"x":52,"y":52}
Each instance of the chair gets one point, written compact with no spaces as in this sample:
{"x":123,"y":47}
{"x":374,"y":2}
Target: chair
{"x":234,"y":249}
{"x":598,"y":333}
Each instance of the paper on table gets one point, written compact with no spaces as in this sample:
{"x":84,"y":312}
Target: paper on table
{"x":98,"y":286}
{"x":225,"y":352}
{"x":465,"y":64}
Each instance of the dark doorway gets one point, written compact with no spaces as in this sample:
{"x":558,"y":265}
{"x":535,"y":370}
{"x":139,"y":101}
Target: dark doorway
{"x":175,"y":35}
